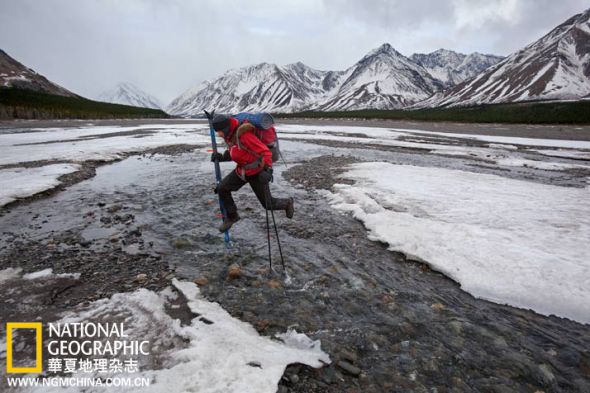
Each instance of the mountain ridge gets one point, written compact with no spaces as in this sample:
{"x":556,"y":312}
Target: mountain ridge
{"x":383,"y":78}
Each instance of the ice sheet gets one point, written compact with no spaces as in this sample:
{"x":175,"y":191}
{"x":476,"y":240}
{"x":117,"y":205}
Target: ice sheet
{"x":572,"y":144}
{"x":23,"y":182}
{"x":575,"y":154}
{"x":505,"y":240}
{"x":393,"y":133}
{"x":548,"y":166}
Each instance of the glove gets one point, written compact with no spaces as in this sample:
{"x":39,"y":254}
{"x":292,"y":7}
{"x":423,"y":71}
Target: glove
{"x":216,"y":156}
{"x":265,"y":176}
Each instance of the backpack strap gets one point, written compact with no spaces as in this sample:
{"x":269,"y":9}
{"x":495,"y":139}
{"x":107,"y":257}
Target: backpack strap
{"x":241,"y":130}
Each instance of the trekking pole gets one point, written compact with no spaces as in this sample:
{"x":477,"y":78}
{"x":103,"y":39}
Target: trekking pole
{"x":281,"y":154}
{"x":226,"y":237}
{"x":268,"y":236}
{"x":269,"y":197}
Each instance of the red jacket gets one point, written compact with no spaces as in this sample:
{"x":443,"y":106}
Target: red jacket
{"x":246,"y":149}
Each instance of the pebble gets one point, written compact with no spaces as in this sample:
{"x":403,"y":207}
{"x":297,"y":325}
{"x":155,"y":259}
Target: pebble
{"x":349,"y":368}
{"x":293,"y":378}
{"x":114,"y":208}
{"x":348,"y":355}
{"x":181,"y":243}
{"x":201,"y":281}
{"x":234,"y":271}
{"x":274,"y":284}
{"x":262,"y":324}
{"x":141,"y":278}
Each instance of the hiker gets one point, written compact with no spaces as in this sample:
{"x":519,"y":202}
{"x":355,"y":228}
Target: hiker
{"x":254,"y":166}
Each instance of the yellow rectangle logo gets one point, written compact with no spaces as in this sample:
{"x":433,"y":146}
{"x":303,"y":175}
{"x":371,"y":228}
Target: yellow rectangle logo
{"x":38,"y":327}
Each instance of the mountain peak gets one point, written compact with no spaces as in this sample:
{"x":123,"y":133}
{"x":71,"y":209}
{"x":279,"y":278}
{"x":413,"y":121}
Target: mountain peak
{"x":443,"y":51}
{"x":297,"y":66}
{"x":127,"y":93}
{"x":385,"y":49}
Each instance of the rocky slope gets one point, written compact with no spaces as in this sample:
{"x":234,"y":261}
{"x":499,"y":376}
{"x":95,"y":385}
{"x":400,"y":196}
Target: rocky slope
{"x":451,"y":67}
{"x":15,"y":75}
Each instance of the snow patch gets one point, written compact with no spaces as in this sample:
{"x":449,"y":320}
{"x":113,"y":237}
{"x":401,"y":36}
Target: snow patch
{"x":48,"y":273}
{"x":575,"y":154}
{"x":9,"y":274}
{"x":548,"y":166}
{"x":505,"y":240}
{"x":23,"y":182}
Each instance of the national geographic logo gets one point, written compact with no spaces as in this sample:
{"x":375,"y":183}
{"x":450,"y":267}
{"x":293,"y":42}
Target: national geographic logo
{"x":73,"y":348}
{"x":37,"y":327}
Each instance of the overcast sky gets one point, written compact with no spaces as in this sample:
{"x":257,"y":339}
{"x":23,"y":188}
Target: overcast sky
{"x":168,"y":46}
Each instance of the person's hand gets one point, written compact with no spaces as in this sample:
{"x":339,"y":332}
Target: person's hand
{"x":216,"y":156}
{"x":265,"y":176}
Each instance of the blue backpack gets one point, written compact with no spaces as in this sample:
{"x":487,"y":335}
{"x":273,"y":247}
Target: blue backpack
{"x":261,"y":120}
{"x":266,"y":132}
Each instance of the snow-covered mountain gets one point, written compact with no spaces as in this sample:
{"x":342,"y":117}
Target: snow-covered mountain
{"x":15,"y":75}
{"x":263,"y":86}
{"x":555,"y":67}
{"x":129,"y":94}
{"x":383,"y":79}
{"x":453,"y":68}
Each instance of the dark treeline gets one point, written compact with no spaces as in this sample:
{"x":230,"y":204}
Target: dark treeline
{"x":27,"y":104}
{"x":577,"y":112}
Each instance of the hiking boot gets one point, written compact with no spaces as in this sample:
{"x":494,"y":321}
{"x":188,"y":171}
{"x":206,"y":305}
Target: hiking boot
{"x":228,"y":222}
{"x":290,"y":209}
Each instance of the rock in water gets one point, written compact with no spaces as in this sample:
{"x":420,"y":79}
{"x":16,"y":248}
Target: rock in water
{"x":141,"y":278}
{"x":274,"y":284}
{"x":234,"y":271}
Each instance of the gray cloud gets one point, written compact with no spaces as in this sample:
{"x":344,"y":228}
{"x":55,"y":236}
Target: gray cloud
{"x":165,"y":47}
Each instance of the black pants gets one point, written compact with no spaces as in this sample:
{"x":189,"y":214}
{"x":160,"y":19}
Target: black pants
{"x":233,"y":182}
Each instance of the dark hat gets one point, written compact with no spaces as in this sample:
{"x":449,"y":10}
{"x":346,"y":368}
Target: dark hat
{"x":221,"y":123}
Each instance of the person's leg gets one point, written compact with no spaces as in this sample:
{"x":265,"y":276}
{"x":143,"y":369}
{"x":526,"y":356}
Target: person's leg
{"x":262,"y":191}
{"x":232,"y":182}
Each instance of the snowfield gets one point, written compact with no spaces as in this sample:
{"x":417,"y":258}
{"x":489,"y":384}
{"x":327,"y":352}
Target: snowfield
{"x":504,"y":240}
